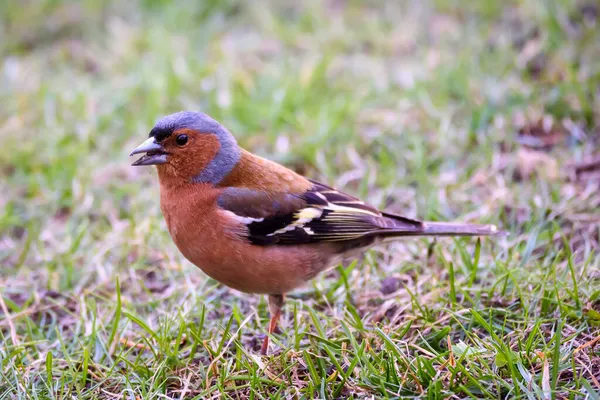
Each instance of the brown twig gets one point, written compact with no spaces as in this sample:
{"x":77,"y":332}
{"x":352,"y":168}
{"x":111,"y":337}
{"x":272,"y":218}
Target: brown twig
{"x":11,"y":326}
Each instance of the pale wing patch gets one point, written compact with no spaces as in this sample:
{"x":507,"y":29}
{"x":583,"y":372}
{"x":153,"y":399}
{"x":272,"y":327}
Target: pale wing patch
{"x":307,"y":214}
{"x":303,"y":217}
{"x":340,"y":214}
{"x":308,"y":230}
{"x":321,"y":196}
{"x":343,"y":210}
{"x":243,"y":220}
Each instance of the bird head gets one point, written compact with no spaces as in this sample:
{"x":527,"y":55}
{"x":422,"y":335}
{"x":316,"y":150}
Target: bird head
{"x":189,"y":146}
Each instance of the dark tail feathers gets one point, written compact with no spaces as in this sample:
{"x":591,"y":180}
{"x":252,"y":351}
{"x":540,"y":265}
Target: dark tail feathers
{"x":408,"y":227}
{"x":457,"y":229}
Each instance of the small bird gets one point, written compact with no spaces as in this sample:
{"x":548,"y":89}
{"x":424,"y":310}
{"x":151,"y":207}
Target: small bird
{"x":255,"y":225}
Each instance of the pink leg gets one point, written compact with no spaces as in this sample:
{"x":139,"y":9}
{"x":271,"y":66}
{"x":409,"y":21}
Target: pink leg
{"x":275,"y":305}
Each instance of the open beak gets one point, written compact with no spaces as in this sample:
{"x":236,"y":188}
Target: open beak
{"x":154,"y":153}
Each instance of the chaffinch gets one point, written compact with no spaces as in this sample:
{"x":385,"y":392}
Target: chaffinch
{"x":255,"y":225}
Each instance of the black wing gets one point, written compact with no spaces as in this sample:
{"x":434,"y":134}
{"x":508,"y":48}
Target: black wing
{"x":321,"y":214}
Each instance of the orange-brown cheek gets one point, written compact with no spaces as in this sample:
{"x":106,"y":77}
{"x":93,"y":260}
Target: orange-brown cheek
{"x":189,"y":161}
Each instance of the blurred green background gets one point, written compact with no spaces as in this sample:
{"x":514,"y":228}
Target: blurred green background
{"x":482,"y":111}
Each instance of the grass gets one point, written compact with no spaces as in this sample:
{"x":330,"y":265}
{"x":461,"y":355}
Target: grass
{"x":442,"y":109}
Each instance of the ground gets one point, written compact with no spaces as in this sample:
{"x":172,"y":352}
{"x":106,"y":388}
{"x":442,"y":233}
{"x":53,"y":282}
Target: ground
{"x":476,"y":111}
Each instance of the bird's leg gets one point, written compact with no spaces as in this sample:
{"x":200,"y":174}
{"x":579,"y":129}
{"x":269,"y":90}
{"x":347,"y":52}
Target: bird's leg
{"x":275,"y":305}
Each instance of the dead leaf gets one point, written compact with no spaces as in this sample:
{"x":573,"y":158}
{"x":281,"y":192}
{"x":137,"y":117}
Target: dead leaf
{"x":546,"y":379}
{"x":589,"y":166}
{"x":540,"y":132}
{"x":531,"y":162}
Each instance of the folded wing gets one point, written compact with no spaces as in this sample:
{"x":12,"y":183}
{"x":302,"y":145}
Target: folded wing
{"x":321,"y":214}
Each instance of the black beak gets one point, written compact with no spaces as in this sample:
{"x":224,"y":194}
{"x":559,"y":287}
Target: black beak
{"x":155,"y":153}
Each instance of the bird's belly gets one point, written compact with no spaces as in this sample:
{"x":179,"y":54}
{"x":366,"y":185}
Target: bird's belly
{"x":250,"y":273}
{"x":251,"y":268}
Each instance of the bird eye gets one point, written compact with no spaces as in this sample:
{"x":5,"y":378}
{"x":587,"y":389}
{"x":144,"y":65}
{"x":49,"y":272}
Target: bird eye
{"x":181,"y":140}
